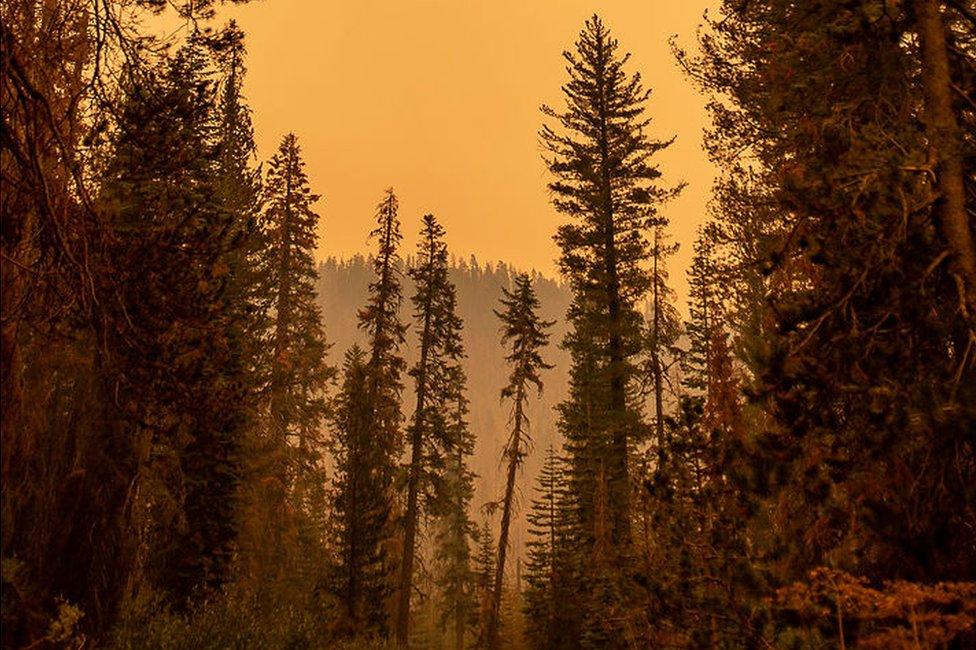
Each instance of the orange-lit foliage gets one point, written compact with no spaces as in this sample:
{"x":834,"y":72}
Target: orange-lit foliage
{"x":898,"y":614}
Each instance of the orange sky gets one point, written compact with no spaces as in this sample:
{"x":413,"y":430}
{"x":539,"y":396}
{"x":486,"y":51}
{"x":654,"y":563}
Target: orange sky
{"x":440,"y":99}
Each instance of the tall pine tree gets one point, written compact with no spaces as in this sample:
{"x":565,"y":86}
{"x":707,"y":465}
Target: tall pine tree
{"x":454,"y":528}
{"x":429,"y":435}
{"x":605,"y":181}
{"x":299,"y":375}
{"x":368,"y":442}
{"x":360,"y":506}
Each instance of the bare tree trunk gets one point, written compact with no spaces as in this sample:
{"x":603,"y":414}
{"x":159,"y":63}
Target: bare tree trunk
{"x":945,"y":144}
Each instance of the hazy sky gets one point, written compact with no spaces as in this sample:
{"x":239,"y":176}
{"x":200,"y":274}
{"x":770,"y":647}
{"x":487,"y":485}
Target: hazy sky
{"x":440,"y":99}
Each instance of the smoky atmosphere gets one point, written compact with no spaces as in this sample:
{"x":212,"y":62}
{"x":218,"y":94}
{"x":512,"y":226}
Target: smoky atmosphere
{"x":439,"y":324}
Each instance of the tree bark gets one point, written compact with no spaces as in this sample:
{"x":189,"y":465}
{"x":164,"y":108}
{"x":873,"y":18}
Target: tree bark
{"x":945,"y":144}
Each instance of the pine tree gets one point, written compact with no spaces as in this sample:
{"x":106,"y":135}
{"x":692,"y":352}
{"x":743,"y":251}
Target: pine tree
{"x":299,"y":373}
{"x":370,"y":443}
{"x":360,"y":503}
{"x":707,"y":364}
{"x":429,"y":435}
{"x":526,"y":333}
{"x":238,"y":183}
{"x":484,"y":577}
{"x":380,"y":319}
{"x":455,"y":530}
{"x":550,"y":606}
{"x":184,"y":384}
{"x":606,"y":183}
{"x":239,"y":186}
{"x":704,"y":311}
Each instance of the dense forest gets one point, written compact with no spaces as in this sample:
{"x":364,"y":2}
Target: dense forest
{"x":211,"y":439}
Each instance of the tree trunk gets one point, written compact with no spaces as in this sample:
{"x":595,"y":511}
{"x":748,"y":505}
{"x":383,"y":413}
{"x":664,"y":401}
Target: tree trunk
{"x":945,"y":144}
{"x":619,"y":483}
{"x":513,"y":461}
{"x":656,"y":348}
{"x":413,"y":484}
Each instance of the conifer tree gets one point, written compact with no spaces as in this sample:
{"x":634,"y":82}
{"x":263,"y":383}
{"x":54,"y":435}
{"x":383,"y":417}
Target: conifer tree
{"x":455,"y":577}
{"x":550,"y":606}
{"x":239,"y":186}
{"x":300,"y":375}
{"x":707,"y":364}
{"x":380,"y":319}
{"x":185,"y":385}
{"x":368,"y":442}
{"x":704,"y":311}
{"x":359,"y":510}
{"x":526,"y":333}
{"x":605,"y":182}
{"x":863,"y":369}
{"x":429,"y":435}
{"x":484,"y":568}
{"x":238,"y":182}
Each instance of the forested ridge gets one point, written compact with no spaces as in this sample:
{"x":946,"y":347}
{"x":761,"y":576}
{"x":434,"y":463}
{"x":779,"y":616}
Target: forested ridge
{"x":210,"y":439}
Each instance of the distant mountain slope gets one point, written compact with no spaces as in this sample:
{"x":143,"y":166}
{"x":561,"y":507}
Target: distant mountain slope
{"x":342,"y":289}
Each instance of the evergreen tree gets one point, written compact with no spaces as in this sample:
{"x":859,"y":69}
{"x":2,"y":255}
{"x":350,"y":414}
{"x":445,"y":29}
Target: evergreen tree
{"x":606,"y":183}
{"x":299,"y":373}
{"x":360,"y":506}
{"x":238,"y":183}
{"x":707,"y":364}
{"x":368,"y":443}
{"x":526,"y":333}
{"x":455,"y":530}
{"x":704,"y":311}
{"x":429,"y":435}
{"x":484,"y":568}
{"x":862,"y":370}
{"x":550,"y":606}
{"x":380,"y":319}
{"x":184,"y":383}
